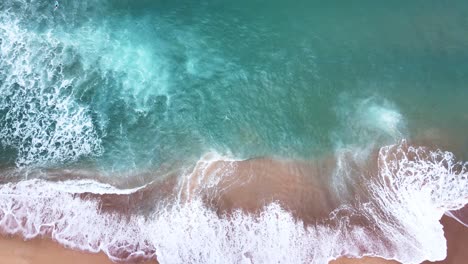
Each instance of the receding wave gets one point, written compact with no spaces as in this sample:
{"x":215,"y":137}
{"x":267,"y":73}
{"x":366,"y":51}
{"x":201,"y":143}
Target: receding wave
{"x":205,"y":218}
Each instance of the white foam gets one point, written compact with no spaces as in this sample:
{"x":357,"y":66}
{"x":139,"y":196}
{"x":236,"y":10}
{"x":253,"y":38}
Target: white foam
{"x":123,"y":51}
{"x":456,"y":217}
{"x":32,"y":208}
{"x":41,"y":69}
{"x":383,"y":118}
{"x":205,"y":174}
{"x":416,"y":186}
{"x":365,"y":124}
{"x":90,"y":186}
{"x":366,"y":121}
{"x":190,"y":233}
{"x":182,"y":233}
{"x":41,"y":119}
{"x":408,"y":198}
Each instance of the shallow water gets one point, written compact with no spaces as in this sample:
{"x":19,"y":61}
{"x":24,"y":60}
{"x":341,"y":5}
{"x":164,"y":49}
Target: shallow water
{"x":215,"y":106}
{"x":129,"y":85}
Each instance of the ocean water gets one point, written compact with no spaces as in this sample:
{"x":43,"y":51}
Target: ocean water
{"x":241,"y":130}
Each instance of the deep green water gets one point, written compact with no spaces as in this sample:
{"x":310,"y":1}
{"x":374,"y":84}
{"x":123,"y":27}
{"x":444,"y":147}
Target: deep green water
{"x":129,"y":85}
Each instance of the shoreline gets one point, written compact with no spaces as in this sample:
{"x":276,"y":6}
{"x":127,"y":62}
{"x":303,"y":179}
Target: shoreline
{"x":213,"y":198}
{"x":15,"y":250}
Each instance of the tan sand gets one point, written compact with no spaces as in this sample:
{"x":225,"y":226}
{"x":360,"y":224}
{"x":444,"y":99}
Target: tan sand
{"x":41,"y":251}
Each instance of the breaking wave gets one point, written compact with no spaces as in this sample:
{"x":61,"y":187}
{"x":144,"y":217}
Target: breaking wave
{"x":40,"y":116}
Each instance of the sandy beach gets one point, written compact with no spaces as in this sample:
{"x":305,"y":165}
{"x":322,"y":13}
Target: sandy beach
{"x":14,"y":250}
{"x":247,"y":185}
{"x":42,"y":251}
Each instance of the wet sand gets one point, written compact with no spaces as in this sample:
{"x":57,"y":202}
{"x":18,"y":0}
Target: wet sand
{"x":300,"y":187}
{"x":43,"y":251}
{"x":303,"y":188}
{"x":457,"y":242}
{"x":14,"y":250}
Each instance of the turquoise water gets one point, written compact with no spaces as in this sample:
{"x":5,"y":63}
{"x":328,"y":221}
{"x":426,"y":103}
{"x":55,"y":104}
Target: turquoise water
{"x":130,"y":85}
{"x":317,"y":119}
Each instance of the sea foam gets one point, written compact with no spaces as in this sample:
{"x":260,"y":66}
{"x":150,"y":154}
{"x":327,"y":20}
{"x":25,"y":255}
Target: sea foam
{"x":410,"y":194}
{"x":40,"y":117}
{"x":38,"y":208}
